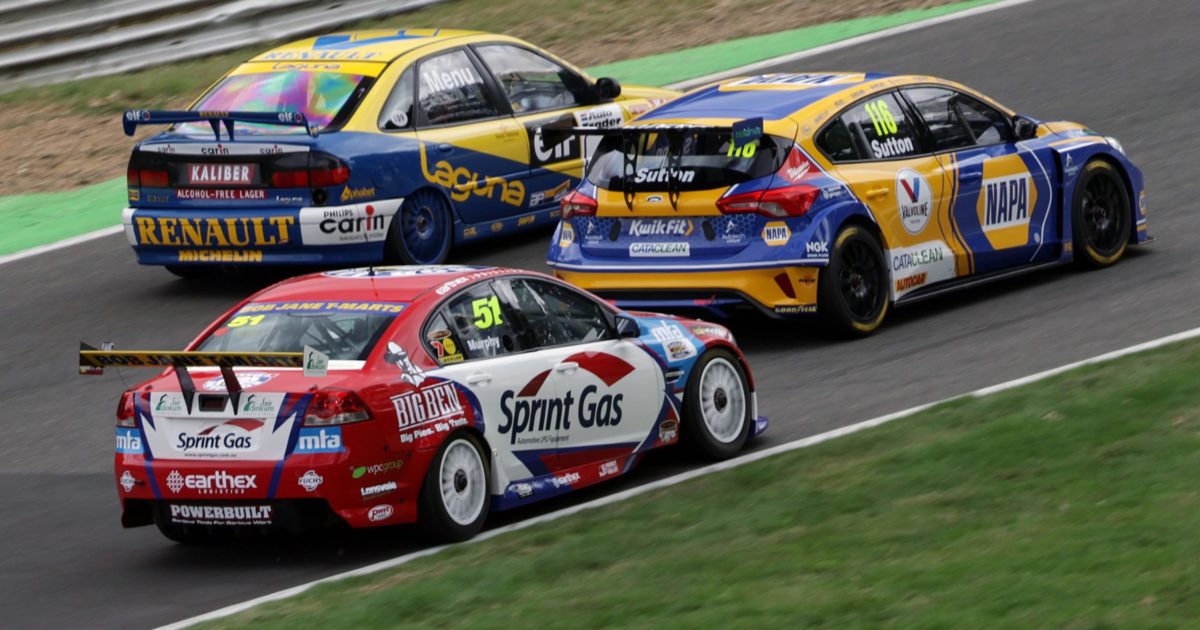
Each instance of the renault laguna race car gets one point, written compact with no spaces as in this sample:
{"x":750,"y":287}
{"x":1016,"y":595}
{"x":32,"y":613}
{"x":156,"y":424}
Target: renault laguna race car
{"x":364,"y":147}
{"x":401,"y":394}
{"x":840,"y":195}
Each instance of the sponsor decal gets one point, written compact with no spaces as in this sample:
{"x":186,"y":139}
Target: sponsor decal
{"x":389,"y":308}
{"x":526,"y":220}
{"x":910,"y":282}
{"x":793,"y":80}
{"x":444,"y":346}
{"x":220,"y":255}
{"x":660,"y":227}
{"x":817,"y":249}
{"x":679,"y":349}
{"x":654,"y":250}
{"x":776,"y":233}
{"x":796,"y":167}
{"x":654,"y":199}
{"x":358,"y":194}
{"x":220,"y":194}
{"x":316,"y":363}
{"x":894,"y":146}
{"x":523,"y":490}
{"x":914,"y":200}
{"x":565,"y":480}
{"x":221,"y":514}
{"x":127,"y":481}
{"x":609,"y":468}
{"x":409,"y":371}
{"x":497,"y":226}
{"x":238,"y":148}
{"x":376,"y":469}
{"x":214,"y":232}
{"x":135,"y":194}
{"x":216,"y":482}
{"x":248,"y":380}
{"x":546,"y":416}
{"x":378,"y":489}
{"x":667,"y":332}
{"x":603,"y":117}
{"x":225,"y":439}
{"x":319,"y":440}
{"x":346,"y":224}
{"x":567,"y":235}
{"x":129,"y":441}
{"x":462,"y":183}
{"x":221,"y":174}
{"x":429,"y":410}
{"x":663,"y":175}
{"x":732,"y":233}
{"x":406,"y":271}
{"x":470,"y":232}
{"x":1005,"y":202}
{"x":259,"y":404}
{"x":310,"y":481}
{"x":380,"y":513}
{"x":168,"y":403}
{"x":668,"y":430}
{"x":540,"y":153}
{"x":832,"y":191}
{"x":795,"y":309}
{"x":918,"y":256}
{"x":711,"y":330}
{"x":483,"y":345}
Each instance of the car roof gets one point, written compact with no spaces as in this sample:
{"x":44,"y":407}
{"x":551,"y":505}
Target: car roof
{"x":369,"y":45}
{"x":375,"y":284}
{"x":770,"y":96}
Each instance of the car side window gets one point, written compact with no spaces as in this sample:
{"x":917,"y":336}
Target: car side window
{"x":938,"y":107}
{"x":397,"y":113}
{"x":482,"y":323}
{"x":451,"y":90}
{"x":575,"y":317}
{"x":532,"y":82}
{"x":881,"y":129}
{"x":835,"y":142}
{"x":990,"y":125}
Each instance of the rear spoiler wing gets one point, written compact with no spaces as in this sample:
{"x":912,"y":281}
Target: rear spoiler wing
{"x":742,"y":132}
{"x":135,"y":117}
{"x":92,"y":361}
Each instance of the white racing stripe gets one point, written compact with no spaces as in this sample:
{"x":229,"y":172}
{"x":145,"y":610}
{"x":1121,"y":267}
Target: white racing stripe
{"x":691,"y":474}
{"x":74,"y":240}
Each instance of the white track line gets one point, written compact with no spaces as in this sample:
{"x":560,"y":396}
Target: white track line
{"x":754,"y":67}
{"x":682,"y":477}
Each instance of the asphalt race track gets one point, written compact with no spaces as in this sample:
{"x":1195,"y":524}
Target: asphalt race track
{"x":1121,"y":67}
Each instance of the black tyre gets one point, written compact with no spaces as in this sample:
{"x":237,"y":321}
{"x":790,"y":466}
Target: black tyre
{"x":852,"y":290}
{"x":1100,"y":216}
{"x":717,"y":408}
{"x":421,"y":230}
{"x":455,"y":496}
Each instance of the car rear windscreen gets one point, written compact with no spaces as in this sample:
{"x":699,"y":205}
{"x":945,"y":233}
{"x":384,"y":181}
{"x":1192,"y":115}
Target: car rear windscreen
{"x":342,"y":330}
{"x":706,"y":160}
{"x":321,"y":96}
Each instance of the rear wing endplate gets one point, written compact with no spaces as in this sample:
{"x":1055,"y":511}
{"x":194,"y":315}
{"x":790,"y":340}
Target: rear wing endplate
{"x":742,"y":132}
{"x":135,"y":117}
{"x":93,"y":361}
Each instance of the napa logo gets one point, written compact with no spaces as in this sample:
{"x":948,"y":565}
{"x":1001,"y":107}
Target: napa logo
{"x":1007,"y":200}
{"x":776,"y":233}
{"x":914,"y":200}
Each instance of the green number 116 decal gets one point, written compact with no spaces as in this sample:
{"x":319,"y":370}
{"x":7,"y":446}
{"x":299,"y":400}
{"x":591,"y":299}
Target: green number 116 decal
{"x":487,"y":312}
{"x":881,"y":116}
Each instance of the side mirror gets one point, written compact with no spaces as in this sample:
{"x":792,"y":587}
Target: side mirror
{"x":1025,"y":128}
{"x":627,"y":327}
{"x":607,"y":88}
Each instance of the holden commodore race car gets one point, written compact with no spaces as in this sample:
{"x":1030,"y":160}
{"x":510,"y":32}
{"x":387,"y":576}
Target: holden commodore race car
{"x":839,"y":195}
{"x":401,"y":394}
{"x":364,"y":147}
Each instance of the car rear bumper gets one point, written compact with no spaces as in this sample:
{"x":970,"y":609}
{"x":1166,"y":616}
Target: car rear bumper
{"x":354,"y":233}
{"x":775,"y":291}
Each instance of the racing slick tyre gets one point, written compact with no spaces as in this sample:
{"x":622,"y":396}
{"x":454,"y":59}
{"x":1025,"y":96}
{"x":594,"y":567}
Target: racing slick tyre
{"x":455,"y":498}
{"x":852,"y":290}
{"x":420,"y":231}
{"x":1100,"y":216}
{"x":717,"y":409}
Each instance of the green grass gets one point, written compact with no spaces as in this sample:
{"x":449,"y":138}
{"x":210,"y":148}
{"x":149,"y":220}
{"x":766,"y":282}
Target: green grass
{"x":1072,"y":503}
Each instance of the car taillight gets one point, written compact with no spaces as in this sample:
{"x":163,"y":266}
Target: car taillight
{"x":329,"y":176}
{"x":577,"y":203}
{"x":335,"y":406}
{"x":792,"y":201}
{"x":321,"y":170}
{"x":125,"y":411}
{"x":148,"y":177}
{"x":289,"y":179}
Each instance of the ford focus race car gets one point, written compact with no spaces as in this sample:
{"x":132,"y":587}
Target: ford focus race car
{"x":364,"y":147}
{"x":839,"y":195}
{"x":401,"y":394}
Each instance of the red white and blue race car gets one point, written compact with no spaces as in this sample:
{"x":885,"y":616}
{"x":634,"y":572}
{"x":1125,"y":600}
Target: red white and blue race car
{"x":413,"y":394}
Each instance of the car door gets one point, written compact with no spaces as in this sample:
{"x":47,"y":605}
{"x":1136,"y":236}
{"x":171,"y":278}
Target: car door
{"x":877,"y":149}
{"x":540,"y":92}
{"x":612,"y":388}
{"x":1002,"y":204}
{"x":470,"y":145}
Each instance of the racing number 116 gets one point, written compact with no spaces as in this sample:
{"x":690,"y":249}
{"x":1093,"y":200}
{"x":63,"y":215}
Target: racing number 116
{"x":881,"y":116}
{"x":487,"y":312}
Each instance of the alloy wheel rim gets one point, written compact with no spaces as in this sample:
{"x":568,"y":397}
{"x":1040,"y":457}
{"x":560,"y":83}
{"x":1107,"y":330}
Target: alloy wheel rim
{"x":462,"y":482}
{"x":722,"y":400}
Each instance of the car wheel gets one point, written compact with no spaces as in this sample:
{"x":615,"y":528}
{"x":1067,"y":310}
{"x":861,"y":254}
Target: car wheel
{"x":1100,"y":216}
{"x":852,"y":290}
{"x":455,"y":497}
{"x":717,"y":412}
{"x":420,"y":231}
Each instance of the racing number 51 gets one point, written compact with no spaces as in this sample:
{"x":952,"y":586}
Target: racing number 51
{"x":487,"y":312}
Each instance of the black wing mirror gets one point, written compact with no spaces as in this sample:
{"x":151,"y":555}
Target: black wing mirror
{"x":607,"y":88}
{"x":627,"y":327}
{"x":1025,"y":128}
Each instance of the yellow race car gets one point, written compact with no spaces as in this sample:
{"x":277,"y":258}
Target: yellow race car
{"x":365,"y":147}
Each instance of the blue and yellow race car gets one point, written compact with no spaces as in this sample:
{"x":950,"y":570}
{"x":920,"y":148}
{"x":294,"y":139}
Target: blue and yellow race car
{"x":838,"y":194}
{"x":365,"y":147}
